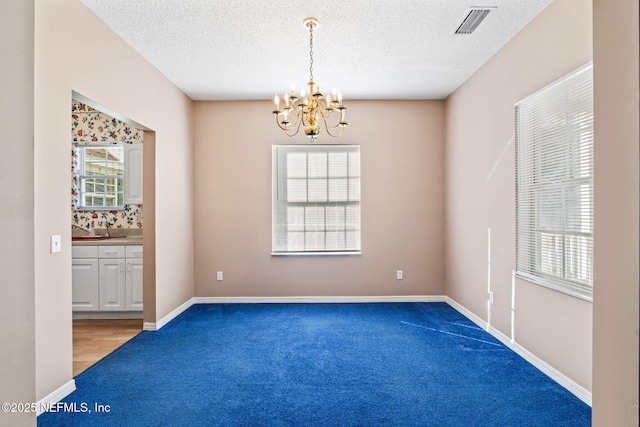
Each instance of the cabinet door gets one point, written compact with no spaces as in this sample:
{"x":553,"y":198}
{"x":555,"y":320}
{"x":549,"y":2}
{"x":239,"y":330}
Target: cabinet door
{"x":133,"y":174}
{"x":112,"y":284}
{"x":85,"y":293}
{"x":134,"y":285}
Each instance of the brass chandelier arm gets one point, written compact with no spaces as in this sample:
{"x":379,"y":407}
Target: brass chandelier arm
{"x":326,"y":113}
{"x":329,"y":127}
{"x":287,"y":130}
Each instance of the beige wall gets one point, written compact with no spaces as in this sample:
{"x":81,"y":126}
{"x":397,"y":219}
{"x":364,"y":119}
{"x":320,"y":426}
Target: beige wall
{"x":480,"y":165}
{"x":402,"y":204}
{"x":17,"y":306}
{"x":617,"y":237}
{"x":479,"y":162}
{"x":101,"y":67}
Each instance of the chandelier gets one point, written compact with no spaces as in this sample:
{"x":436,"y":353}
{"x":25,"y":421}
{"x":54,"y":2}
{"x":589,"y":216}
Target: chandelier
{"x":311,"y":111}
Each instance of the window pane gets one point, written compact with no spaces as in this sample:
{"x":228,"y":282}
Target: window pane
{"x":338,"y":190}
{"x":95,"y":168}
{"x":353,"y":240}
{"x":295,"y":241}
{"x":317,"y":165}
{"x":354,"y":164}
{"x":336,"y":240}
{"x":296,"y":190}
{"x":353,"y":217}
{"x":314,"y":219}
{"x":115,"y":161}
{"x":336,"y":218}
{"x":295,"y":218}
{"x":578,"y":258}
{"x":550,"y":208}
{"x":296,"y":165}
{"x":551,"y":254}
{"x":578,"y":202}
{"x":338,"y":163}
{"x":88,"y":185}
{"x":317,"y":190}
{"x":314,"y":241}
{"x":354,"y":189}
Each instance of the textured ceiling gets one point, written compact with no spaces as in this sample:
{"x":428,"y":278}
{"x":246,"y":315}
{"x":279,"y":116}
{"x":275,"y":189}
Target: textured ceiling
{"x":369,"y":49}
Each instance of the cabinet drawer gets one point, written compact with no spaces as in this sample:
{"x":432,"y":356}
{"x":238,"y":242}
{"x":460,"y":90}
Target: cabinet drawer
{"x":134,"y":251}
{"x":84,"y":252}
{"x":111,"y":251}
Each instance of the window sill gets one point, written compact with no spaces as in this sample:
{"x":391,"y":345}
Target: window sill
{"x":557,"y":286}
{"x":315,"y":253}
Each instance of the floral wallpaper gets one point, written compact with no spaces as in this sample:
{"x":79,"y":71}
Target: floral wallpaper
{"x":92,"y":126}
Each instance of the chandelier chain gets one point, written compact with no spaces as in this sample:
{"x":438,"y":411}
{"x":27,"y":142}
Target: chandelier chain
{"x":311,"y":52}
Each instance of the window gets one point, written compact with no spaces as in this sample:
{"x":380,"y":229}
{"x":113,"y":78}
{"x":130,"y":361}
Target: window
{"x":99,"y":176}
{"x":316,"y":199}
{"x":554,"y":185}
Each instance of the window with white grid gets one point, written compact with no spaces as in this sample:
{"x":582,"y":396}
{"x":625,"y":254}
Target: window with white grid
{"x":554,"y":185}
{"x":316,"y":199}
{"x":100,"y":176}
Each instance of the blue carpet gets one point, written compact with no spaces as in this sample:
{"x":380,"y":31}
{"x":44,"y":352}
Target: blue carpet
{"x":396,"y":364}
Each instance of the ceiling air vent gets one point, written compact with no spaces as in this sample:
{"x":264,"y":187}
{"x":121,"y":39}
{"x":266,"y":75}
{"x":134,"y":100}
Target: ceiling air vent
{"x":473,"y":19}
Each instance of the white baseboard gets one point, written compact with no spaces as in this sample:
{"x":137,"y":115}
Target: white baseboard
{"x":319,"y":299}
{"x":566,"y":382}
{"x":107,"y":315}
{"x":56,"y":396}
{"x":151,"y":326}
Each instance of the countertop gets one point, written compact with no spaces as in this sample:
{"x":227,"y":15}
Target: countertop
{"x":112,"y":241}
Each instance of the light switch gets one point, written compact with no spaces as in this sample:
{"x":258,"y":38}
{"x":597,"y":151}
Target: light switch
{"x":56,"y":244}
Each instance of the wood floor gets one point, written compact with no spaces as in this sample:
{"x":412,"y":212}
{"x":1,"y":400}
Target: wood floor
{"x":93,"y":339}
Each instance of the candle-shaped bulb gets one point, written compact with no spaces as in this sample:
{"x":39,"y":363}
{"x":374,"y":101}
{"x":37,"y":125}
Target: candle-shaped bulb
{"x":276,"y":100}
{"x":286,"y":100}
{"x":333,"y":91}
{"x":302,"y":93}
{"x":340,"y":97}
{"x":328,"y":100}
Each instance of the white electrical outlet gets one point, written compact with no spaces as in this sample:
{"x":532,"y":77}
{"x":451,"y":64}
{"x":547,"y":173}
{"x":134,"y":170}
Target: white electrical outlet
{"x":56,"y":244}
{"x":399,"y":275}
{"x":491,"y":297}
{"x":219,"y":275}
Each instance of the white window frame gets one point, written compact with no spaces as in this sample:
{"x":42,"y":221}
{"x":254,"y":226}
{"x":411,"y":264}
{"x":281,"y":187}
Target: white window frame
{"x":80,"y":150}
{"x":554,"y":185}
{"x":321,"y":222}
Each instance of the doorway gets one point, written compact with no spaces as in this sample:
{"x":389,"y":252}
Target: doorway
{"x":111,"y":289}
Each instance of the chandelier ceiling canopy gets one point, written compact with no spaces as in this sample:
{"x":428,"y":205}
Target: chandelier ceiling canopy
{"x":313,"y":112}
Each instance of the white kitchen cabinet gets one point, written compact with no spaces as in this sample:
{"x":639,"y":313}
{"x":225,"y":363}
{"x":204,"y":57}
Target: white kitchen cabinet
{"x":134,"y":283}
{"x":133,"y":156}
{"x":107,"y":278}
{"x":133,"y":296}
{"x":112,"y":284}
{"x":85,"y":285}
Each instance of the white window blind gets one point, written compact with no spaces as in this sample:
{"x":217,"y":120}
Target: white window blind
{"x":316,"y":199}
{"x":554,"y":185}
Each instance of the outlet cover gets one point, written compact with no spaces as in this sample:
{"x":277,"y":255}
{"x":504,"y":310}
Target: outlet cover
{"x":399,"y":275}
{"x":219,"y":275}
